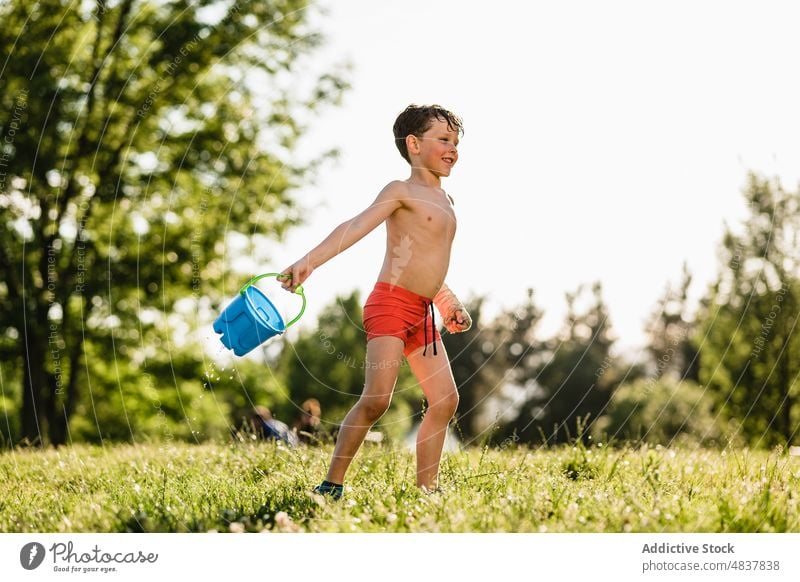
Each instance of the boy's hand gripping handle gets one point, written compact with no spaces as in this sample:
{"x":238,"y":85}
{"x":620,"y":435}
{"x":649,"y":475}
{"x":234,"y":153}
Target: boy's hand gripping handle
{"x":298,"y":290}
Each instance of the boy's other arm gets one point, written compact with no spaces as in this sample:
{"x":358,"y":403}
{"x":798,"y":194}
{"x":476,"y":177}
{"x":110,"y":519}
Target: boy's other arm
{"x":346,"y":234}
{"x":456,"y":318}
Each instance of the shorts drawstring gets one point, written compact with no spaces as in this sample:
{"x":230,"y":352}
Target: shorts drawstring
{"x":429,"y":306}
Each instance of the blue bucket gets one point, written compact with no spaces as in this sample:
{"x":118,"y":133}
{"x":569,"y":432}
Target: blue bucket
{"x":251,"y":319}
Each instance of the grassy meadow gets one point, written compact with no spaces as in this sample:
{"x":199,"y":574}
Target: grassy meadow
{"x":264,"y":486}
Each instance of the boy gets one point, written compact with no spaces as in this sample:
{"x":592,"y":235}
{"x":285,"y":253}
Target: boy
{"x":398,"y":314}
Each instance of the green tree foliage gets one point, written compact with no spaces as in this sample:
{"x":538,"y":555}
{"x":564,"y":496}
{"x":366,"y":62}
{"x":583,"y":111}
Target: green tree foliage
{"x":572,"y":376}
{"x":747,"y":337}
{"x":138,"y":137}
{"x":660,"y":401}
{"x":661,"y":411}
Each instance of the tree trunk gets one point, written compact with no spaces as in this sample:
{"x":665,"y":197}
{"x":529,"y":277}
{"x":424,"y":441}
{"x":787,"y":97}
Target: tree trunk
{"x":68,"y":390}
{"x":40,"y":353}
{"x":34,"y":386}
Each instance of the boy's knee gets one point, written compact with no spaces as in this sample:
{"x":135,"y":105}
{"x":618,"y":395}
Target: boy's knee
{"x":452,"y":402}
{"x":447,"y":405}
{"x":374,"y":406}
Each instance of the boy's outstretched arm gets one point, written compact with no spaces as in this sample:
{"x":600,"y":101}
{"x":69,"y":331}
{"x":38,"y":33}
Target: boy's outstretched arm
{"x":346,"y":234}
{"x":456,"y":318}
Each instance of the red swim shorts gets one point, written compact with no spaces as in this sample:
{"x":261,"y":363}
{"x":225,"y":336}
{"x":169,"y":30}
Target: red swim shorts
{"x":395,"y":311}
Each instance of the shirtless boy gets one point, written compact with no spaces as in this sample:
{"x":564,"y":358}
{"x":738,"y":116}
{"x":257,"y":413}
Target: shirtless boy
{"x":398,"y":314}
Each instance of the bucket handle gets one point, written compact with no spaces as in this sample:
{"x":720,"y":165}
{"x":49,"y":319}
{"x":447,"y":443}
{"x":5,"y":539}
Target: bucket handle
{"x":298,"y":290}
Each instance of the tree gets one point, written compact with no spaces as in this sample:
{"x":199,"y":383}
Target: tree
{"x":573,"y":375}
{"x":661,"y":400}
{"x":747,"y":337}
{"x":138,"y":138}
{"x":670,"y":332}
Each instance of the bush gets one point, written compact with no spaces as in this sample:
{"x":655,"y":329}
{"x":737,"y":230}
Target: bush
{"x":661,"y":411}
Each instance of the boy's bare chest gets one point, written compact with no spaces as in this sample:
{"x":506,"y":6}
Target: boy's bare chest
{"x":428,"y":217}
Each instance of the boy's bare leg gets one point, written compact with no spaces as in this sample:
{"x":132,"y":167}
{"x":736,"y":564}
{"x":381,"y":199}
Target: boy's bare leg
{"x":384,"y":356}
{"x":436,"y":379}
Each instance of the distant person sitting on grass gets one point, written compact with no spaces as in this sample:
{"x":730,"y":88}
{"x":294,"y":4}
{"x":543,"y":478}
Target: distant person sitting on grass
{"x":398,"y":315}
{"x":308,"y":427}
{"x":268,"y":428}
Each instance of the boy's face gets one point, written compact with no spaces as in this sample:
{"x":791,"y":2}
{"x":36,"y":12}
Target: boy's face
{"x":437,"y":150}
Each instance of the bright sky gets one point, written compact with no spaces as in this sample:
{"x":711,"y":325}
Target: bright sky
{"x":604,"y":140}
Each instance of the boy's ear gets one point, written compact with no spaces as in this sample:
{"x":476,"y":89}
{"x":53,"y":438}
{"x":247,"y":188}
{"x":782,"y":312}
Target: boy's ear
{"x":412,"y":144}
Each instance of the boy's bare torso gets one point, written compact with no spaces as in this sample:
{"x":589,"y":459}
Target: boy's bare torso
{"x":419,"y":237}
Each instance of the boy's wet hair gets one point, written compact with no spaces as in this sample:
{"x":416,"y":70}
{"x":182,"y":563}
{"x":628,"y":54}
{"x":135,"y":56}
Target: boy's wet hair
{"x":417,"y":119}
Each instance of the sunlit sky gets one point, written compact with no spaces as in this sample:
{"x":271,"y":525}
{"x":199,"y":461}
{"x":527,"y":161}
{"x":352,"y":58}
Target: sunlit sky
{"x":604,"y":140}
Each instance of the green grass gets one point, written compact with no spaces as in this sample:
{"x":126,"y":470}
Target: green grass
{"x":255,"y":487}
